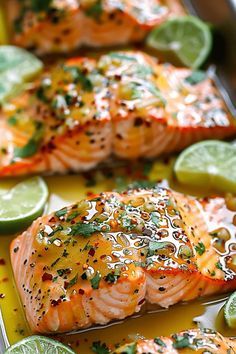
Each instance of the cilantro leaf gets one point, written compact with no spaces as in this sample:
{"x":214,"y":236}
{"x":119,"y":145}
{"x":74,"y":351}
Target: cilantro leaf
{"x":195,"y":77}
{"x":100,"y":348}
{"x":159,"y":341}
{"x":40,"y":5}
{"x":85,"y":230}
{"x":31,"y":147}
{"x":95,"y":280}
{"x":200,"y":248}
{"x":72,"y":282}
{"x":79,"y":77}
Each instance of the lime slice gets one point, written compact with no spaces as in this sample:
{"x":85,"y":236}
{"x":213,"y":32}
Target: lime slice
{"x":22,"y":204}
{"x":39,"y":345}
{"x":187,"y":37}
{"x":208,"y":163}
{"x":17,"y":66}
{"x":230,"y":311}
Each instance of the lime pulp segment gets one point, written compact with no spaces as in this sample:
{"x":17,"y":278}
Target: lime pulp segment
{"x":39,"y":345}
{"x":187,"y":37}
{"x":17,"y":66}
{"x":230,"y":311}
{"x":208,"y":163}
{"x":22,"y":204}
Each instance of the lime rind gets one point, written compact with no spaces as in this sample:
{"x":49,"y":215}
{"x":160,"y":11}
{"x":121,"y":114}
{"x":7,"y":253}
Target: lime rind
{"x":209,"y":163}
{"x":17,"y":66}
{"x":188,"y":37}
{"x":39,"y":345}
{"x":230,"y":311}
{"x":22,"y":204}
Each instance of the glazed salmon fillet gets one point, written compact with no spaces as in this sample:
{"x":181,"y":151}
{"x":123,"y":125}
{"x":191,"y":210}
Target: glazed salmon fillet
{"x":187,"y":342}
{"x":64,"y":25}
{"x":101,"y":259}
{"x":80,"y":112}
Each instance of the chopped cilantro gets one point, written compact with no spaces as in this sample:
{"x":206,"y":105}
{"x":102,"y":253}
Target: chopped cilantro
{"x":195,"y":77}
{"x":219,"y":265}
{"x":61,"y":212}
{"x":112,"y":277}
{"x":181,"y":341}
{"x":130,"y":349}
{"x":31,"y":147}
{"x":147,"y":167}
{"x":95,"y":280}
{"x":40,"y":5}
{"x":72,"y":216}
{"x":12,"y":120}
{"x":85,"y":230}
{"x":79,"y":77}
{"x":72,"y":282}
{"x":63,"y":271}
{"x":200,"y":248}
{"x":159,"y":341}
{"x":100,"y":348}
{"x":95,"y":10}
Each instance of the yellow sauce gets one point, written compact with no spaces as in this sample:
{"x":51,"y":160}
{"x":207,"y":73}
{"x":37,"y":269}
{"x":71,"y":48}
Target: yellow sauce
{"x":63,"y":191}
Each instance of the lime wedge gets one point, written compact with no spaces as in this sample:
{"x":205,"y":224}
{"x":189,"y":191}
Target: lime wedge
{"x":208,"y":163}
{"x":230,"y":311}
{"x":22,"y":204}
{"x":17,"y":66}
{"x":39,"y":345}
{"x":187,"y":37}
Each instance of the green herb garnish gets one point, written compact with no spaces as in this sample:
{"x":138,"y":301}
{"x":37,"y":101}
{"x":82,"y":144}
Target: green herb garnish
{"x":95,"y":10}
{"x":95,"y":280}
{"x":79,"y":77}
{"x":72,"y":282}
{"x":159,"y":341}
{"x":12,"y":120}
{"x":112,"y":277}
{"x":195,"y":77}
{"x":200,"y":248}
{"x":181,"y":341}
{"x":40,"y":5}
{"x":100,"y":348}
{"x":85,"y":230}
{"x":32,"y":145}
{"x":61,"y":212}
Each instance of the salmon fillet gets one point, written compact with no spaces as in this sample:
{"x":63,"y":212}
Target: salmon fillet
{"x":101,"y":259}
{"x":191,"y":341}
{"x":80,"y":112}
{"x":64,"y":25}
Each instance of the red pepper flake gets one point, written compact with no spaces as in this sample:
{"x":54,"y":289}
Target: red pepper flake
{"x":81,"y":291}
{"x":4,"y":280}
{"x":2,"y":261}
{"x":90,"y":194}
{"x":46,"y":276}
{"x":2,"y":296}
{"x":91,"y":252}
{"x":55,"y":303}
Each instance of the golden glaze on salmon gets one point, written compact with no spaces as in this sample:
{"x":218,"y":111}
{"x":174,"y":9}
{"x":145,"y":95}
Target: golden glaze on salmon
{"x":186,"y":342}
{"x":102,"y":258}
{"x":82,"y":111}
{"x":64,"y":25}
